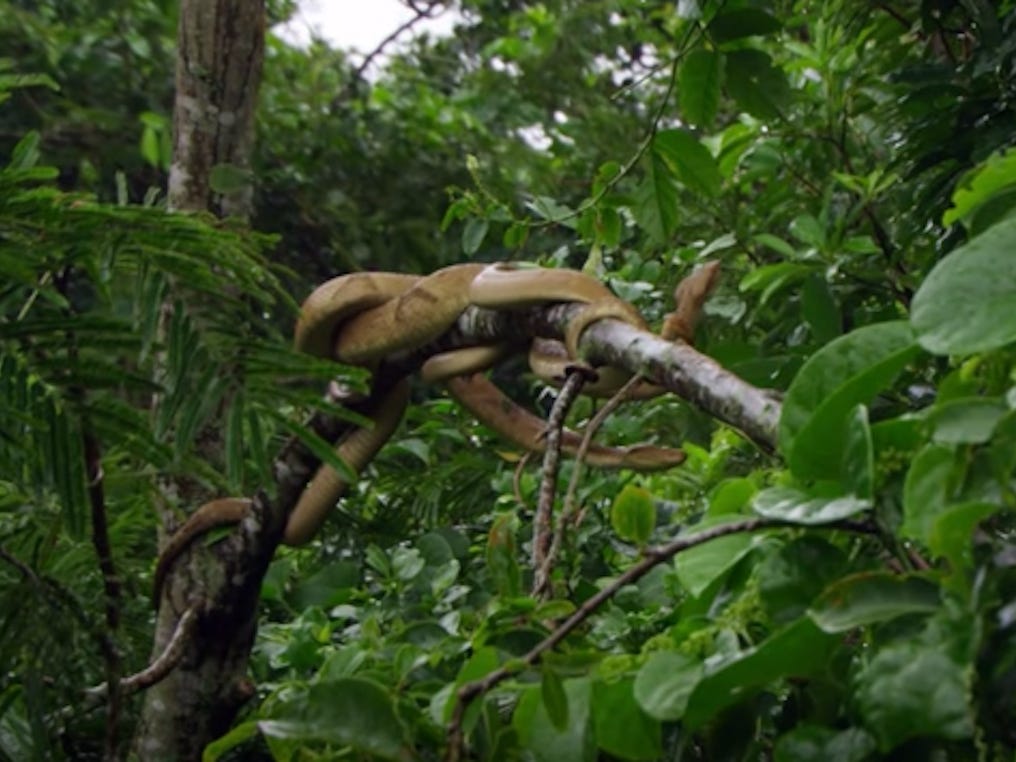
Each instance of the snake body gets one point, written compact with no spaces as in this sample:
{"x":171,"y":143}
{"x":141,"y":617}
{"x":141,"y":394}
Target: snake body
{"x":364,"y":317}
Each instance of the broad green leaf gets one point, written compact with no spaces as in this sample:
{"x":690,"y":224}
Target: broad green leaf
{"x":633,"y":514}
{"x":622,"y":728}
{"x":859,"y":456}
{"x":544,"y":741}
{"x":820,"y":311}
{"x":846,"y":372}
{"x":760,"y":88}
{"x":690,"y":161}
{"x":927,"y":490}
{"x":799,"y":650}
{"x":775,"y":243}
{"x":656,"y":208}
{"x":699,"y":86}
{"x":700,"y":566}
{"x":964,"y":306}
{"x":872,"y":597}
{"x":555,"y":700}
{"x":996,"y":173}
{"x":811,"y":743}
{"x":771,"y":279}
{"x":665,"y":682}
{"x":350,"y":712}
{"x":731,"y":496}
{"x":910,"y":690}
{"x":970,"y":420}
{"x":807,"y":229}
{"x":473,"y":233}
{"x":742,"y":22}
{"x":952,"y":532}
{"x":797,"y":507}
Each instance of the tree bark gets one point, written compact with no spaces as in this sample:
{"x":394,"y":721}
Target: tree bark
{"x":219,"y":62}
{"x":220,"y":53}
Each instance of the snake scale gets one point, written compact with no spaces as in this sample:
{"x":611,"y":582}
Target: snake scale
{"x":362,"y":318}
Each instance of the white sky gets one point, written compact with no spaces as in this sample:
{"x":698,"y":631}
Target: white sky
{"x":357,"y":24}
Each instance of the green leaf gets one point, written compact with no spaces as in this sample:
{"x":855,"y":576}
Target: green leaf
{"x":555,"y":700}
{"x":743,"y":22}
{"x":700,"y":566}
{"x":240,"y":734}
{"x":811,"y":743}
{"x":793,"y":574}
{"x":820,"y":311}
{"x":622,"y":728}
{"x":859,"y":456}
{"x":798,"y":650}
{"x":927,"y":490}
{"x":760,"y":88}
{"x":633,"y":514}
{"x":872,"y":597}
{"x":699,"y":85}
{"x":544,"y":741}
{"x":969,"y":420}
{"x":731,"y":496}
{"x":327,"y":587}
{"x":797,"y":507}
{"x":502,"y":556}
{"x":995,"y":175}
{"x":656,"y":207}
{"x":690,"y":161}
{"x":910,"y":690}
{"x":473,"y":233}
{"x":847,"y":372}
{"x":964,"y":306}
{"x":665,"y":682}
{"x":953,"y":529}
{"x":350,"y":712}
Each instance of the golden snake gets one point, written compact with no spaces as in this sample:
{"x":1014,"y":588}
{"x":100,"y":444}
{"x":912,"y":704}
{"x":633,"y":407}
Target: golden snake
{"x":364,"y":317}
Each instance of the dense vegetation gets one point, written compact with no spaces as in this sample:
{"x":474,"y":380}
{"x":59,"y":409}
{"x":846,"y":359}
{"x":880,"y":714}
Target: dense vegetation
{"x":851,"y":164}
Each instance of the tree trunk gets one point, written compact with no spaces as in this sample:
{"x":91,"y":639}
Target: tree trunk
{"x":219,"y":61}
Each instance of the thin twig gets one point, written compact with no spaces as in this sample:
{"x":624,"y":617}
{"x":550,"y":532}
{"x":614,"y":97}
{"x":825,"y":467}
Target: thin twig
{"x":542,"y":530}
{"x":652,"y":557}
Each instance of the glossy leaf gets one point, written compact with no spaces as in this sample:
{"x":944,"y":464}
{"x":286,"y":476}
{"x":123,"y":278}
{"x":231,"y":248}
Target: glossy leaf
{"x":547,"y":743}
{"x":874,"y":597}
{"x":859,"y":456}
{"x":927,"y":490}
{"x":797,"y":507}
{"x":964,"y":305}
{"x":665,"y":682}
{"x":700,"y":566}
{"x":811,"y":743}
{"x":690,"y":161}
{"x":970,"y":420}
{"x":844,"y":373}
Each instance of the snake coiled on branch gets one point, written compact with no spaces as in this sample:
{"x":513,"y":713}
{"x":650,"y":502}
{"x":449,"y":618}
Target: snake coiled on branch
{"x":364,"y":318}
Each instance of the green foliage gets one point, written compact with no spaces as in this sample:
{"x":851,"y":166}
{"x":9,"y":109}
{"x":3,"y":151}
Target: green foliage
{"x":853,"y":171}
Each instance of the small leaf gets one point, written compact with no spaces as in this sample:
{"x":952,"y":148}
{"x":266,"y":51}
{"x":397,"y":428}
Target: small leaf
{"x":872,"y":597}
{"x":964,"y":306}
{"x":699,"y":85}
{"x":656,"y":201}
{"x":859,"y":456}
{"x":633,"y":514}
{"x":555,"y":700}
{"x":927,"y":490}
{"x":473,"y":233}
{"x":969,"y":420}
{"x":502,"y":556}
{"x":952,"y":532}
{"x":795,"y":506}
{"x":760,"y":88}
{"x":700,"y":566}
{"x":995,"y":175}
{"x":665,"y":682}
{"x":691,"y":161}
